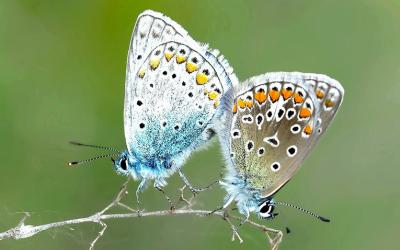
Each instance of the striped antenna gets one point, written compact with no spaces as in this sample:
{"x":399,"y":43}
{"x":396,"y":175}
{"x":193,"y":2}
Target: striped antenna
{"x":74,"y":163}
{"x":303,"y":210}
{"x":94,"y":146}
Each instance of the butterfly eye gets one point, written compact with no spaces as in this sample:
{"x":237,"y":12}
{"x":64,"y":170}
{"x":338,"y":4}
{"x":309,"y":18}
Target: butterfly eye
{"x":266,"y":210}
{"x":123,"y":165}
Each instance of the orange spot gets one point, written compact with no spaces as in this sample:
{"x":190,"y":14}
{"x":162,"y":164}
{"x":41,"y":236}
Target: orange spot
{"x":320,"y":94}
{"x":298,"y":98}
{"x":308,"y":129}
{"x":329,"y":103}
{"x":168,"y":56}
{"x":212,"y":95}
{"x":201,"y":78}
{"x":190,"y":67}
{"x":141,"y":73}
{"x":154,"y":63}
{"x":216,"y":103}
{"x":234,"y":108}
{"x":180,"y":59}
{"x":249,"y":104}
{"x":260,"y":97}
{"x":305,"y":113}
{"x":274,"y":95}
{"x":241,"y":103}
{"x":286,"y":94}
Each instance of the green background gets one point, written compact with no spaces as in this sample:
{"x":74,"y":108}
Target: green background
{"x":62,"y":71}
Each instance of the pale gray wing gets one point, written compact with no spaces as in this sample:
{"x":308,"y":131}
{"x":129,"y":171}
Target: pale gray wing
{"x":173,"y":95}
{"x":276,"y":119}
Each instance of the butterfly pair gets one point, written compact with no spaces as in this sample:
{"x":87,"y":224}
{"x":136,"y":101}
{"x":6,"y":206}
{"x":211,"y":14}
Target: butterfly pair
{"x":180,"y":93}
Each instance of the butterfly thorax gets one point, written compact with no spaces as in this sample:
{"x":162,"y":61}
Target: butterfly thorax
{"x":247,"y":198}
{"x":144,"y":168}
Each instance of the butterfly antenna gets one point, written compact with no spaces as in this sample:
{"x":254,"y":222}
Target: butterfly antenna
{"x":303,"y":210}
{"x":74,"y":163}
{"x":94,"y":146}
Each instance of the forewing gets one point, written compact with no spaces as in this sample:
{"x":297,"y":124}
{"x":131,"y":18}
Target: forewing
{"x":277,"y":119}
{"x":173,"y":96}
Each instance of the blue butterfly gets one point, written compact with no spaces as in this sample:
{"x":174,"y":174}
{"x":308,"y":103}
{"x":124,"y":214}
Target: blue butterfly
{"x":176,"y":90}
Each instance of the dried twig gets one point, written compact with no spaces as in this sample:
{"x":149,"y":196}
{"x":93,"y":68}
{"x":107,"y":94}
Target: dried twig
{"x":22,"y":230}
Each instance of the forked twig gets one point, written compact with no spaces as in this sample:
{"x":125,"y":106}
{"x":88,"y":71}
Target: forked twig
{"x":22,"y":230}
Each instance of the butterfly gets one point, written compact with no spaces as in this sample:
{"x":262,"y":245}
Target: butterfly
{"x":276,"y":120}
{"x":175,"y":93}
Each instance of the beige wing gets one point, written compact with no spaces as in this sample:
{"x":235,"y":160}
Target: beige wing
{"x":277,"y":119}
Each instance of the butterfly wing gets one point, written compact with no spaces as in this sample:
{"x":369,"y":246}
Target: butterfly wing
{"x":174,"y":92}
{"x":277,"y":119}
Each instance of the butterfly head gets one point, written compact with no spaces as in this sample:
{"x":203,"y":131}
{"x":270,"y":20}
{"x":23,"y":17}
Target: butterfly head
{"x":123,"y":164}
{"x":266,"y":209}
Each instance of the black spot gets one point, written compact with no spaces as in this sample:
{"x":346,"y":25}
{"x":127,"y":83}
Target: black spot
{"x":308,"y":105}
{"x":139,"y":103}
{"x":232,"y":155}
{"x":206,"y":72}
{"x":164,"y":73}
{"x":151,"y":85}
{"x":173,"y":75}
{"x":250,"y":145}
{"x":182,"y":51}
{"x":275,"y":166}
{"x":200,"y":123}
{"x":200,"y":107}
{"x":236,"y":133}
{"x":141,"y":125}
{"x":171,"y":48}
{"x":157,"y":53}
{"x":194,"y":60}
{"x":190,"y":94}
{"x":273,"y":141}
{"x":259,"y":119}
{"x":291,"y":150}
{"x":164,"y":124}
{"x":269,"y":114}
{"x":289,"y":88}
{"x":123,"y":164}
{"x":248,"y":118}
{"x":217,"y":90}
{"x":213,"y":85}
{"x":275,"y":88}
{"x":290,"y":114}
{"x":249,"y":98}
{"x":301,"y":94}
{"x":295,"y":128}
{"x":261,"y":90}
{"x":139,"y":57}
{"x":280,"y":113}
{"x":176,"y":127}
{"x":261,"y":151}
{"x":183,"y":83}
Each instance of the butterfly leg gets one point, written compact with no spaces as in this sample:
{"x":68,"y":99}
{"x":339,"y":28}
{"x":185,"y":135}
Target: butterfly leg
{"x":139,"y":189}
{"x":193,"y":189}
{"x":165,"y":195}
{"x":246,"y":218}
{"x":227,"y":203}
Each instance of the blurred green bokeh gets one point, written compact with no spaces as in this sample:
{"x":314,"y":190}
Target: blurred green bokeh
{"x":62,"y":71}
